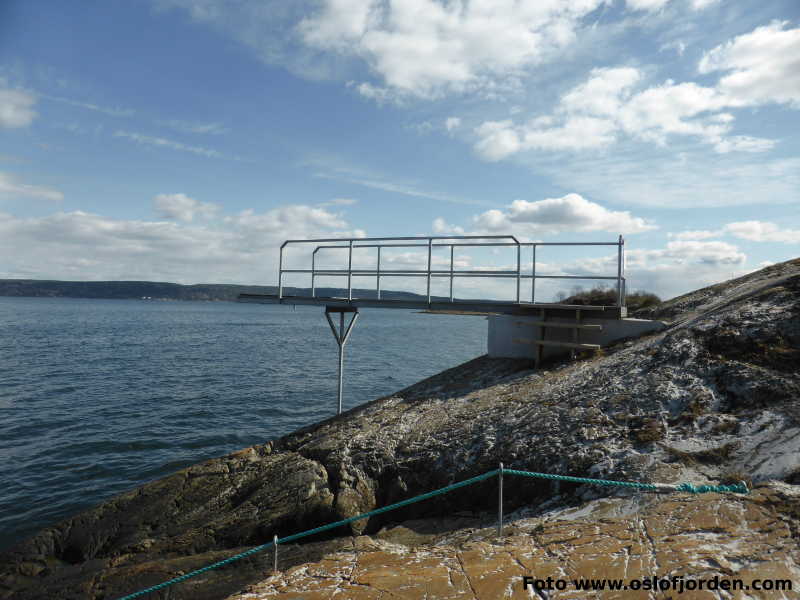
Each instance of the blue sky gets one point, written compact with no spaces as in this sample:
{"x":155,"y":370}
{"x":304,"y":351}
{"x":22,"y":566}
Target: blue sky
{"x":184,"y":140}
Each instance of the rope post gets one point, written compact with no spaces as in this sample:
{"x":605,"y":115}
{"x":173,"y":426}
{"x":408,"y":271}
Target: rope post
{"x":275,"y":554}
{"x":500,"y":502}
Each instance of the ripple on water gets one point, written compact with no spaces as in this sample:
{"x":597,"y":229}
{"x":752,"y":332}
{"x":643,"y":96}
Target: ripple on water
{"x":101,"y":396}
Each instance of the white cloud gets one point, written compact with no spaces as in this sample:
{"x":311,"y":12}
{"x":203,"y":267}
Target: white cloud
{"x":441,"y":227}
{"x":166,"y":143}
{"x":331,"y":168}
{"x":647,"y":5}
{"x":83,"y":246}
{"x":497,"y":140}
{"x":16,"y":107}
{"x":198,"y":128}
{"x":182,"y":208}
{"x":702,"y":234}
{"x":744,"y":143}
{"x":594,"y":114}
{"x":10,"y":188}
{"x":452,"y":123}
{"x":702,"y":4}
{"x":426,"y":48}
{"x":554,"y":215}
{"x":763,"y":231}
{"x":677,"y":45}
{"x":110,"y":111}
{"x":762,"y":66}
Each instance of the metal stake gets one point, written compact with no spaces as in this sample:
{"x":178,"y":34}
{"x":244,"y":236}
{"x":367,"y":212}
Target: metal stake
{"x":275,"y":554}
{"x":500,"y":503}
{"x":341,"y":339}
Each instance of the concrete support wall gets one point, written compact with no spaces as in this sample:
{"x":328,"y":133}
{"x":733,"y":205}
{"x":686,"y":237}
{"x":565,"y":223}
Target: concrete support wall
{"x":504,"y":329}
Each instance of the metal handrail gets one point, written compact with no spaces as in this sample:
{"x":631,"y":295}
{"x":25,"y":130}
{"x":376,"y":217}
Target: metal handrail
{"x":451,"y":273}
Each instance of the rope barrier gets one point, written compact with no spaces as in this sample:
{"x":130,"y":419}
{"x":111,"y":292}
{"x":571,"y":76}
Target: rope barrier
{"x":740,"y":488}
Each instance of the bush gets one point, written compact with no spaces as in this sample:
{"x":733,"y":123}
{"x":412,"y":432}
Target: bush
{"x":602,"y":295}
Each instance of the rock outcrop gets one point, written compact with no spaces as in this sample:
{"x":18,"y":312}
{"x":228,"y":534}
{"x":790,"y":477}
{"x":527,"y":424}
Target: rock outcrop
{"x":713,"y":398}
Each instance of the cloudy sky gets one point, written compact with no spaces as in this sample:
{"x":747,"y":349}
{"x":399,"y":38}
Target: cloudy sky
{"x":184,"y":140}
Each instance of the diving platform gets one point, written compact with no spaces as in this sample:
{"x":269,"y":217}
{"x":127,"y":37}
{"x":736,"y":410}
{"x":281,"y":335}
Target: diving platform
{"x":519,"y":326}
{"x":487,"y":307}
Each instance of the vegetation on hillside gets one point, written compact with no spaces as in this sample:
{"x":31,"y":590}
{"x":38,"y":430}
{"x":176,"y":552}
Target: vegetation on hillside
{"x":603,"y":295}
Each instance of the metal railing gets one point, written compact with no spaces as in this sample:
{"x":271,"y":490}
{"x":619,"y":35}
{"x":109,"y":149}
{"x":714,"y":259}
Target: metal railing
{"x":452,"y":242}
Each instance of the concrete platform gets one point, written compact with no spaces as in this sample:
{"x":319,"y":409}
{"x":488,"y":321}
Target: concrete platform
{"x":514,"y":336}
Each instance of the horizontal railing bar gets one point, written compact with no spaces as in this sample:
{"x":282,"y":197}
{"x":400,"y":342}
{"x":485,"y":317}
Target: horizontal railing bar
{"x":473,"y":244}
{"x":407,"y":238}
{"x":396,"y":273}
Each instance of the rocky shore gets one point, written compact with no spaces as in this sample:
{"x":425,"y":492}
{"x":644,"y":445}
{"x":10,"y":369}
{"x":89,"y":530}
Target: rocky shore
{"x":714,"y":398}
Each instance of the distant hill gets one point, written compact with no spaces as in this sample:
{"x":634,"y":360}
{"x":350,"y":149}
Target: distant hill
{"x":122,"y":290}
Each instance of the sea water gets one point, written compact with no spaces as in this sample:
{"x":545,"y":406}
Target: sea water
{"x":100,"y":396}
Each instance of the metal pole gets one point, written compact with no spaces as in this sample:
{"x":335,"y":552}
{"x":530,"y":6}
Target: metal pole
{"x":378,"y":273}
{"x":280,"y":274}
{"x":519,"y":249}
{"x":430,"y":241}
{"x":341,"y":360}
{"x":533,"y":276}
{"x":341,"y":339}
{"x":619,"y":271}
{"x":451,"y":272}
{"x":500,"y":503}
{"x":275,"y":554}
{"x":350,"y":272}
{"x":313,"y":274}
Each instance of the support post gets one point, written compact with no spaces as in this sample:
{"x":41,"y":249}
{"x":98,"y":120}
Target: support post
{"x":275,"y":554}
{"x":350,"y":272}
{"x":280,"y":272}
{"x":378,"y":274}
{"x":500,"y":502}
{"x":314,"y":273}
{"x":430,"y":248}
{"x":619,"y":272}
{"x":519,"y":250}
{"x":451,"y":272}
{"x":533,"y":276}
{"x":341,"y":339}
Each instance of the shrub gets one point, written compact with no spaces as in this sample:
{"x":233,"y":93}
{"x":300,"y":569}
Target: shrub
{"x":603,"y":295}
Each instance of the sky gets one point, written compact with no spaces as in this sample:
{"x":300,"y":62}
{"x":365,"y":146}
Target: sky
{"x":185,"y":140}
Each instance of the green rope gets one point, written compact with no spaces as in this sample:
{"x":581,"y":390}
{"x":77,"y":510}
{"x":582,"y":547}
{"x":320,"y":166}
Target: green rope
{"x":302,"y":534}
{"x":627,"y":484}
{"x":739,"y":488}
{"x":683,"y":487}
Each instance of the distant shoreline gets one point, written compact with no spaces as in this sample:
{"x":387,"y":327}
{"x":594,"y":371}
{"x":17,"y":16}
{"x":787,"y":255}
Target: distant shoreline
{"x":162,"y":291}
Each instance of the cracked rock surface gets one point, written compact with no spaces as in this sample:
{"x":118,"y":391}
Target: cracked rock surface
{"x":714,"y":398}
{"x":727,"y":536}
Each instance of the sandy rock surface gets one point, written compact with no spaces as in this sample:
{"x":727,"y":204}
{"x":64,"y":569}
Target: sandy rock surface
{"x":727,"y":536}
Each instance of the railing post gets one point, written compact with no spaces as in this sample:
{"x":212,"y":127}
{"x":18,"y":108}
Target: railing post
{"x":500,"y":502}
{"x":430,"y":248}
{"x":519,"y":250}
{"x":378,"y":274}
{"x":533,"y":276}
{"x":280,"y":272}
{"x":350,"y":272}
{"x":313,"y":273}
{"x":275,"y":554}
{"x":451,"y":272}
{"x":619,"y":271}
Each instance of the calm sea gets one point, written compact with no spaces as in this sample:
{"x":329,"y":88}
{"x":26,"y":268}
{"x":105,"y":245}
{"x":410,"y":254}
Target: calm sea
{"x":99,"y":396}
